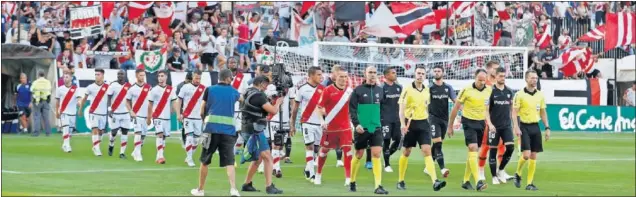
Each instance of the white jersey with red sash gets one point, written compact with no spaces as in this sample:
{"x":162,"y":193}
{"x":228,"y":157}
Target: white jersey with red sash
{"x":308,"y":97}
{"x":97,"y":96}
{"x":138,"y":97}
{"x":67,"y":96}
{"x":162,"y":98}
{"x":118,"y":93}
{"x":192,"y":97}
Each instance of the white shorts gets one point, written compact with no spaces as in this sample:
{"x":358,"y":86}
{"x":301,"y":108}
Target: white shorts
{"x":162,"y":126}
{"x":237,"y":121}
{"x":120,"y":121}
{"x":67,"y":121}
{"x":311,"y":134}
{"x":193,"y":126}
{"x":140,"y":125}
{"x":98,"y":121}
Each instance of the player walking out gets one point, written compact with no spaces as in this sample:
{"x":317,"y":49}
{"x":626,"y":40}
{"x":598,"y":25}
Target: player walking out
{"x":190,"y":97}
{"x":98,"y":110}
{"x":438,"y":109}
{"x":332,"y":78}
{"x":220,"y":133}
{"x":187,"y":80}
{"x":137,"y":103}
{"x":528,"y":104}
{"x":67,"y":95}
{"x":308,"y":96}
{"x":160,"y":96}
{"x":364,"y":109}
{"x":334,"y":107}
{"x":414,"y":125}
{"x":474,"y":98}
{"x":492,"y":67}
{"x":390,"y":116}
{"x":500,"y":127}
{"x":119,"y":118}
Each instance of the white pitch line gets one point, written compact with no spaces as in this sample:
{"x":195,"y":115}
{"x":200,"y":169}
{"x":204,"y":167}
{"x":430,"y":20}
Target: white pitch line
{"x":286,"y":166}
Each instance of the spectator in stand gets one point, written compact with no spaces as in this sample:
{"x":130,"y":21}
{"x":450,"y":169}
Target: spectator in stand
{"x":582,"y":13}
{"x":546,"y":68}
{"x":220,"y":43}
{"x":45,"y":19}
{"x":209,"y":52}
{"x":275,"y":26}
{"x":43,"y":40}
{"x":340,"y":37}
{"x":65,"y":59}
{"x":255,"y":25}
{"x":180,"y":43}
{"x":125,"y":61}
{"x":599,"y":14}
{"x":630,"y":96}
{"x":269,"y":37}
{"x":243,"y":46}
{"x":506,"y":36}
{"x":175,"y":63}
{"x":102,"y":60}
{"x":564,"y":40}
{"x":194,"y":52}
{"x":79,"y":58}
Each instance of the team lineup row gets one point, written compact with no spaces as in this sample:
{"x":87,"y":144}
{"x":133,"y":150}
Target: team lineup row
{"x":332,"y":117}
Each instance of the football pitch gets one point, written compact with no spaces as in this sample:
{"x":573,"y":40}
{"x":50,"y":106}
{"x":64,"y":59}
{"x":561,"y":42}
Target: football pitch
{"x":573,"y":164}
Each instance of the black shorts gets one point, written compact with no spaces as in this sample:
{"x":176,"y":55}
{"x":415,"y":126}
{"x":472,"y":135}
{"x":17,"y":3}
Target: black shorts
{"x":531,"y":137}
{"x":366,"y":139}
{"x":473,"y":131}
{"x":503,"y":133}
{"x":208,"y":58}
{"x":438,"y":127}
{"x":24,"y":111}
{"x":419,"y":133}
{"x":221,"y":142}
{"x":391,"y":131}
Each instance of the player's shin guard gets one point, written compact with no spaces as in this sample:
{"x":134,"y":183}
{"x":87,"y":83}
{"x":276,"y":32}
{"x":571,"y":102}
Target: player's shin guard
{"x":506,"y":157}
{"x":377,"y":171}
{"x":483,"y":155}
{"x":124,"y":141}
{"x":438,"y":155}
{"x":472,"y":158}
{"x":348,"y":154}
{"x":402,"y":165}
{"x":160,"y":146}
{"x":492,"y":161}
{"x":322,"y":157}
{"x":532,"y":167}
{"x":386,"y":152}
{"x":430,"y":167}
{"x":355,"y":167}
{"x":309,"y":160}
{"x":501,"y":150}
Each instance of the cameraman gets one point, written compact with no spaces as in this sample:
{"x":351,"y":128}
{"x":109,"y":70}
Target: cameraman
{"x":255,"y":109}
{"x":278,"y":126}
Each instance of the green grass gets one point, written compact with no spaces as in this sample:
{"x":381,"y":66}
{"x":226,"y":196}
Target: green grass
{"x":573,"y":164}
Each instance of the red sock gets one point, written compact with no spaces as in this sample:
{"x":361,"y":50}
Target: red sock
{"x":346,"y":151}
{"x":322,"y":158}
{"x":483,"y":155}
{"x":501,"y":149}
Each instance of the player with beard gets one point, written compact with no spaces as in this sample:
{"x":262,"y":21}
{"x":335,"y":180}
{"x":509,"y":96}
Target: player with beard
{"x":161,"y":98}
{"x":438,"y":109}
{"x":137,"y":103}
{"x":308,"y":96}
{"x":190,"y":100}
{"x":98,"y":109}
{"x":492,"y":67}
{"x":188,"y":79}
{"x":390,"y":116}
{"x":67,"y":96}
{"x":119,"y":117}
{"x":500,"y":127}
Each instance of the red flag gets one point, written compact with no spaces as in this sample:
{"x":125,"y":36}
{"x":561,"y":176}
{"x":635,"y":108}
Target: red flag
{"x":573,"y":60}
{"x":496,"y":37}
{"x":620,"y":30}
{"x":165,"y":14}
{"x":137,"y":8}
{"x":501,"y":11}
{"x":306,"y":6}
{"x":594,"y":34}
{"x":462,"y":9}
{"x":107,"y":8}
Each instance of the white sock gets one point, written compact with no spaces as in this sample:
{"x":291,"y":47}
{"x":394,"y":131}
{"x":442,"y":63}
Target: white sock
{"x":160,"y":147}
{"x":189,"y":146}
{"x":276,"y":157}
{"x":96,"y":141}
{"x":137,"y":141}
{"x":124,"y":143}
{"x":309,"y":158}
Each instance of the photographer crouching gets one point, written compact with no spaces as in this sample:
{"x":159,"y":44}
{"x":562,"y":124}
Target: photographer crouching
{"x":255,"y":109}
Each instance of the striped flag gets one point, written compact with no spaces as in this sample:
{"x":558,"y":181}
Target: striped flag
{"x":595,"y":34}
{"x":194,"y":4}
{"x":412,"y":17}
{"x":165,"y":15}
{"x":621,"y":29}
{"x":543,"y":40}
{"x":573,"y":60}
{"x":501,"y":11}
{"x":10,"y":7}
{"x":462,"y":9}
{"x":138,"y":8}
{"x":382,"y":23}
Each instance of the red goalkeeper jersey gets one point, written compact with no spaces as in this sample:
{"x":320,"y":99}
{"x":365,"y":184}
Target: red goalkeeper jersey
{"x":330,"y":99}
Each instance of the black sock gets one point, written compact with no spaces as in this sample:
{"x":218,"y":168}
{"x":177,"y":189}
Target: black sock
{"x":339,"y":154}
{"x":492,"y":160}
{"x":288,"y":147}
{"x":316,"y":149}
{"x":394,"y":146}
{"x":183,"y":136}
{"x":510,"y":148}
{"x":368,"y":155}
{"x":440,"y":155}
{"x":387,"y":152}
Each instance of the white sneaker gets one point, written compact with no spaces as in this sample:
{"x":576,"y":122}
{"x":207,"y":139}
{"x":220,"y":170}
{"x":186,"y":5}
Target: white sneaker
{"x":425,"y":171}
{"x":261,"y":168}
{"x":481,"y":174}
{"x":318,"y":180}
{"x":388,"y":169}
{"x":197,"y":192}
{"x":97,"y":151}
{"x":234,"y":193}
{"x":347,"y":182}
{"x":495,"y":181}
{"x":503,"y":176}
{"x":445,"y":172}
{"x":339,"y":164}
{"x":137,"y":157}
{"x":190,"y":162}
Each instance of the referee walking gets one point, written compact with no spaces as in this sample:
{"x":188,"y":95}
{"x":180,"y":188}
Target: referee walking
{"x":529,"y":103}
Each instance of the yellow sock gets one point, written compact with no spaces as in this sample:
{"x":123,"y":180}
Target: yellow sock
{"x":430,"y":167}
{"x":377,"y":171}
{"x":520,"y":165}
{"x":467,"y":172}
{"x":472,"y":158}
{"x":532,"y":167}
{"x":355,"y":166}
{"x":404,"y":161}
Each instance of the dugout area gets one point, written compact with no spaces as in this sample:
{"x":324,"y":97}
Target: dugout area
{"x":16,"y":59}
